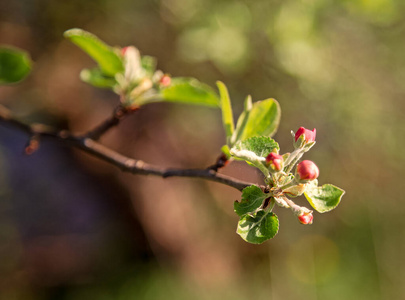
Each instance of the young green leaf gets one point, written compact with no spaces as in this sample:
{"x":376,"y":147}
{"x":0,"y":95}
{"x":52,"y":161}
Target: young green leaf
{"x":96,"y":78}
{"x":191,"y":91}
{"x":252,"y":199}
{"x":324,"y":198}
{"x":15,"y":65}
{"x":258,"y":228}
{"x":259,"y":145}
{"x":227,"y":115}
{"x":242,"y":121}
{"x":261,"y":120}
{"x":106,"y":57}
{"x":254,"y":151}
{"x":148,"y":63}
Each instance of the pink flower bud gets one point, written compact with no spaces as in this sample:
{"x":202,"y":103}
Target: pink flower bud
{"x":165,"y":80}
{"x":309,"y":136}
{"x":307,"y":170}
{"x":275,"y":161}
{"x":124,"y":50}
{"x":306,"y":218}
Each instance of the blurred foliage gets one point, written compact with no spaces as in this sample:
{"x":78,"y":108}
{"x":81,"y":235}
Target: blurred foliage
{"x":14,"y":65}
{"x":338,"y":66}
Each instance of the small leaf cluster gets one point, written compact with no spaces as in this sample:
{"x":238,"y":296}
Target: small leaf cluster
{"x":134,"y":77}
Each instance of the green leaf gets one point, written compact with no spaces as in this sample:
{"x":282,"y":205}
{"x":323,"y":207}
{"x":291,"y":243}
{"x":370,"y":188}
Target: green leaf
{"x":242,"y":121}
{"x":191,"y":91}
{"x":261,"y":120}
{"x":258,"y":228}
{"x":108,"y":60}
{"x":259,"y":145}
{"x":324,"y":198}
{"x":148,"y":63}
{"x":252,"y":199}
{"x":254,"y":151}
{"x":15,"y":65}
{"x":96,"y":78}
{"x":227,"y":115}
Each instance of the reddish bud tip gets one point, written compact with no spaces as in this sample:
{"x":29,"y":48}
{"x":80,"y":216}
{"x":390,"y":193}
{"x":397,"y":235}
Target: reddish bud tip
{"x":309,"y":135}
{"x":275,"y":161}
{"x":124,"y":50}
{"x":307,"y":170}
{"x":306,"y":218}
{"x":165,"y":80}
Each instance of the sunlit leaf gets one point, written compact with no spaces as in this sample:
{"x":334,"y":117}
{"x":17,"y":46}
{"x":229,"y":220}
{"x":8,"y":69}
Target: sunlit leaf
{"x":258,"y":228}
{"x":190,"y":91}
{"x":252,"y":199}
{"x":227,"y":115}
{"x":15,"y":65}
{"x":254,"y":151}
{"x":261,"y":120}
{"x":96,"y":78}
{"x":324,"y":198}
{"x":261,"y":146}
{"x":108,"y":60}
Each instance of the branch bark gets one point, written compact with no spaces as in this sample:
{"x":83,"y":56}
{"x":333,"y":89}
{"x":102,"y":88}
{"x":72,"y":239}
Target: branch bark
{"x":119,"y":113}
{"x":126,"y":164}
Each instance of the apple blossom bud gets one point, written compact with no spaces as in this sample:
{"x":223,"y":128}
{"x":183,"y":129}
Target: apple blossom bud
{"x":165,"y":80}
{"x":306,"y":218}
{"x":124,"y":50}
{"x":307,"y":170}
{"x":309,"y":136}
{"x":275,"y":161}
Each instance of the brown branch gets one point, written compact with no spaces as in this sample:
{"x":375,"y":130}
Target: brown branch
{"x":126,"y":164}
{"x":221,"y":162}
{"x":119,"y":113}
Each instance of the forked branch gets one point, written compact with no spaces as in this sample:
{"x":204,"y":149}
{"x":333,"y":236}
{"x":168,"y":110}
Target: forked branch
{"x":127,"y":164}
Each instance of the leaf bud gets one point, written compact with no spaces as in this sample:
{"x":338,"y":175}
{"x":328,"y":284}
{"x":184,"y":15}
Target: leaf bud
{"x":307,"y":170}
{"x":275,"y":161}
{"x":306,"y":218}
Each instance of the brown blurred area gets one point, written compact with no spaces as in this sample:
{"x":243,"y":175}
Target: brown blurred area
{"x":73,"y":227}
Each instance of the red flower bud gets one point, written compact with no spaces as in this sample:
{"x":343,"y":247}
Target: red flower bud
{"x":307,"y":170}
{"x":165,"y":80}
{"x":306,"y":218}
{"x":309,"y":135}
{"x":275,"y":161}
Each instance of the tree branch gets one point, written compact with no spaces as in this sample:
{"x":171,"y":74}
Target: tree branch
{"x":106,"y":154}
{"x":119,"y":113}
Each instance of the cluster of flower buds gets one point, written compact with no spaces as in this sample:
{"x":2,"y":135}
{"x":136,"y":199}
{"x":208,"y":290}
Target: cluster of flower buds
{"x":306,"y":171}
{"x":139,"y":78}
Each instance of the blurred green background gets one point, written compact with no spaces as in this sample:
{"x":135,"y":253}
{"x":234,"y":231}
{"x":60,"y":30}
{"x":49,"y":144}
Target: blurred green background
{"x":72,"y":227}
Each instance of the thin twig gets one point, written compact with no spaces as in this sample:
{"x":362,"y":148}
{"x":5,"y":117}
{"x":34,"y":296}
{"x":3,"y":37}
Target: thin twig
{"x":119,"y":113}
{"x":106,"y":154}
